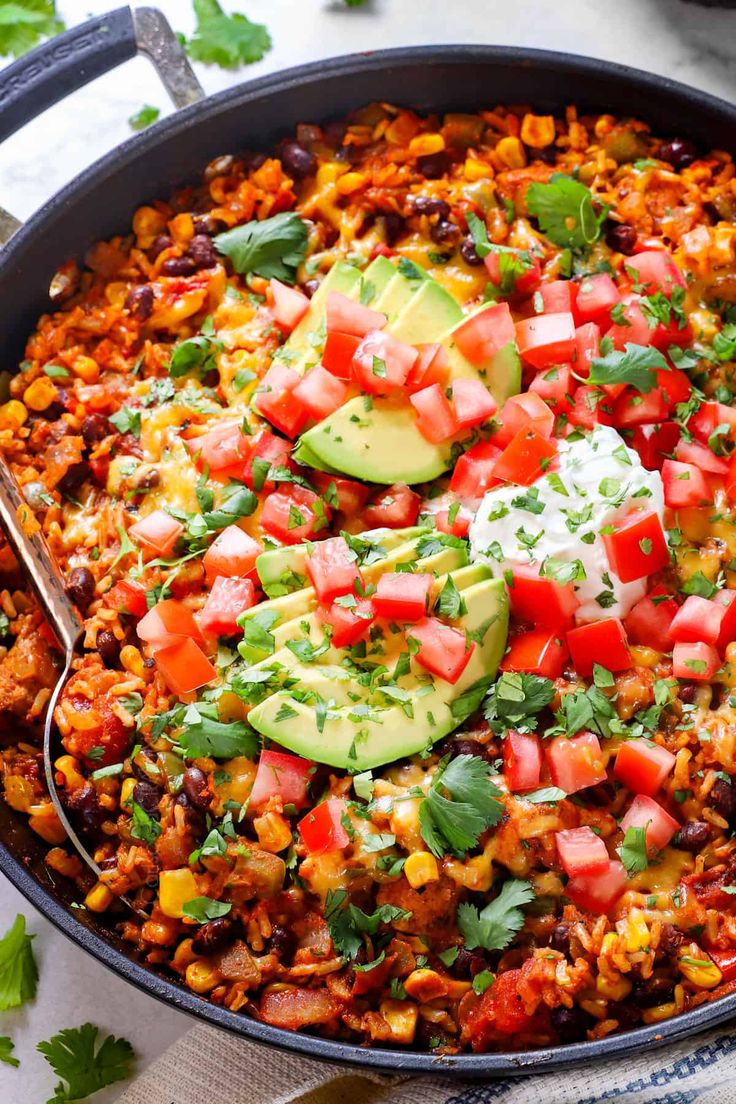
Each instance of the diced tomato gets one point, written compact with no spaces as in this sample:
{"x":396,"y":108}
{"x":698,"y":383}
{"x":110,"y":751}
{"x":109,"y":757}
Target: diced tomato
{"x":658,"y":825}
{"x":597,"y":295}
{"x":281,"y":775}
{"x":275,"y":400}
{"x":348,"y":625}
{"x":654,"y":443}
{"x":555,"y":385}
{"x":632,"y":330}
{"x":539,"y":652}
{"x":168,"y":623}
{"x":443,"y":651}
{"x":396,"y":507}
{"x":435,"y":417}
{"x":637,"y":547}
{"x":322,"y":829}
{"x":431,"y":366}
{"x":546,"y":339}
{"x":225,"y":603}
{"x":541,"y":601}
{"x":501,"y":1009}
{"x":481,"y":335}
{"x":587,"y":346}
{"x":725,"y":961}
{"x":184,"y":667}
{"x":697,"y":662}
{"x":346,"y":316}
{"x":458,"y":527}
{"x":223,"y":452}
{"x":351,"y":496}
{"x":289,"y":304}
{"x":382,"y":363}
{"x":655,"y":270}
{"x":524,"y":459}
{"x":684,"y":485}
{"x":338,"y":353}
{"x":709,"y":416}
{"x":648,"y":622}
{"x":727,"y":599}
{"x":294,"y":516}
{"x":643,"y":766}
{"x":697,"y":619}
{"x":575,"y":763}
{"x":691,"y":452}
{"x":558,"y":297}
{"x":632,"y":408}
{"x":581,"y":851}
{"x":521,"y":411}
{"x":675,"y":386}
{"x":127,"y":597}
{"x":267,"y":447}
{"x":157,"y":533}
{"x":591,"y":407}
{"x":522,"y":761}
{"x":602,"y":642}
{"x":320,"y":393}
{"x":730,"y":479}
{"x":597,"y":893}
{"x":331,"y":568}
{"x":232,"y":552}
{"x":527,"y":278}
{"x":402,"y":596}
{"x":472,"y":402}
{"x":473,"y":472}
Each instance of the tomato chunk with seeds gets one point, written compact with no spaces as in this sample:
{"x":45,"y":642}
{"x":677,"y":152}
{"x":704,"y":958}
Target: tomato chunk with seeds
{"x":598,"y":893}
{"x":157,"y":533}
{"x":525,"y":457}
{"x":347,"y":624}
{"x":576,"y":763}
{"x":581,"y":851}
{"x":331,"y":568}
{"x":637,"y":547}
{"x":402,"y":596}
{"x":522,"y":761}
{"x":540,"y":652}
{"x":602,"y":642}
{"x":322,"y":829}
{"x":225,"y":603}
{"x":648,"y":814}
{"x":443,"y":651}
{"x":184,"y":667}
{"x":281,"y":775}
{"x":643,"y":766}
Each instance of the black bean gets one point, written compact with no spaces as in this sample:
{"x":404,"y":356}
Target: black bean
{"x":194,"y":818}
{"x":147,"y":795}
{"x":692,"y":836}
{"x":569,"y":1023}
{"x":85,"y":808}
{"x":74,"y":478}
{"x":688,"y":693}
{"x":444,"y":231}
{"x":202,"y":251}
{"x":94,"y":428}
{"x":81,"y":587}
{"x":468,"y":252}
{"x":297,"y":160}
{"x":309,"y":287}
{"x":163,"y":241}
{"x":282,"y":942}
{"x":465,"y":746}
{"x":393,"y":227}
{"x":213,"y":935}
{"x":179,"y":266}
{"x":670,"y":939}
{"x":621,"y":237}
{"x":139,"y":302}
{"x":679,"y":152}
{"x":433,"y":165}
{"x":559,"y":939}
{"x":723,"y":799}
{"x":108,"y":646}
{"x":334,"y":132}
{"x":208,"y":224}
{"x":656,"y":989}
{"x":196,"y":788}
{"x":468,"y":964}
{"x":253,"y":160}
{"x":147,"y":753}
{"x":430,"y":205}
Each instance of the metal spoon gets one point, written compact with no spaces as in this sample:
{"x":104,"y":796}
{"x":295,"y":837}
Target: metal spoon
{"x":47,"y":582}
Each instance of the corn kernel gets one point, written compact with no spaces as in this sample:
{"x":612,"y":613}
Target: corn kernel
{"x":699,"y":969}
{"x":131,"y":660}
{"x":421,"y":868}
{"x":659,"y":1012}
{"x":351,"y":182}
{"x":40,"y":394}
{"x":126,"y":792}
{"x":13,"y":415}
{"x":202,"y":976}
{"x":425,"y":985}
{"x":18,"y":793}
{"x":63,"y":863}
{"x":645,"y":657}
{"x":46,"y":824}
{"x":183,"y":955}
{"x":99,"y":898}
{"x":614,"y":986}
{"x":424,"y":145}
{"x":328,"y":173}
{"x":401,"y":1017}
{"x":148,"y":223}
{"x":86,"y":368}
{"x":175,"y":888}
{"x":476,"y":170}
{"x":637,"y":931}
{"x":609,"y":944}
{"x":538,"y":131}
{"x":273,"y":831}
{"x":511,"y":153}
{"x":69,"y":767}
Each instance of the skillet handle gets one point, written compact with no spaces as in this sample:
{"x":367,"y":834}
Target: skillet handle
{"x":72,"y":59}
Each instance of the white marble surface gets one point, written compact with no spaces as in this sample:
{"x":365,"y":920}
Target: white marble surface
{"x":694,"y":45}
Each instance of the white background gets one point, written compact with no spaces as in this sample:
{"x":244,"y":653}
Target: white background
{"x":691,"y":44}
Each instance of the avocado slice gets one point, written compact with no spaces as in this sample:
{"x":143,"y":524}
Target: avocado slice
{"x":501,"y":374}
{"x":350,"y":738}
{"x":429,"y":311}
{"x":395,"y":296}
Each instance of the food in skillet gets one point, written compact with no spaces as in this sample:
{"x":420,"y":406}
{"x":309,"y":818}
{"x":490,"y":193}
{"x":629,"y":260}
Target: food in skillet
{"x":393,"y":476}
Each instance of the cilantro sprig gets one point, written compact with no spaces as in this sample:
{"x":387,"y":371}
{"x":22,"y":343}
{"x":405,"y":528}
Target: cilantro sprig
{"x":635,"y":366}
{"x":23,"y":23}
{"x":272,"y":248}
{"x":515,"y":701}
{"x":226,"y":40}
{"x":82,"y":1066}
{"x":496,"y":925}
{"x":456,"y":822}
{"x":347,"y":923}
{"x":633,"y":850}
{"x":566,"y":211}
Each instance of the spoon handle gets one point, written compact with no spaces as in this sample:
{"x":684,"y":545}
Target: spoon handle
{"x":36,"y":562}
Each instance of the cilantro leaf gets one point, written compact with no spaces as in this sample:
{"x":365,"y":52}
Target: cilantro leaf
{"x":566,"y":211}
{"x":450,"y":602}
{"x":516,"y":699}
{"x":347,"y":923}
{"x":127,"y":420}
{"x":274,"y":247}
{"x":85,"y":1068}
{"x":144,"y":826}
{"x":203,"y":909}
{"x":18,"y":971}
{"x":226,"y":40}
{"x":6,"y":1051}
{"x":633,"y":850}
{"x":495,"y":926}
{"x":204,"y":735}
{"x":724,"y":343}
{"x":196,"y":354}
{"x":456,"y":823}
{"x":635,"y":367}
{"x":23,"y":23}
{"x":144,"y":117}
{"x":700,"y":585}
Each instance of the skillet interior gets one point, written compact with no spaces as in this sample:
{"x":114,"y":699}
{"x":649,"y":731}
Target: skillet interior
{"x":100,"y":203}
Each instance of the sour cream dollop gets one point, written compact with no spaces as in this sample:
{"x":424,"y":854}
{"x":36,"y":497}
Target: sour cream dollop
{"x":560,"y":517}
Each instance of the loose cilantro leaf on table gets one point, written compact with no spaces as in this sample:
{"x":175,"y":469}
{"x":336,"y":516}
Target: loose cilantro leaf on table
{"x":515,"y":700}
{"x":18,"y":971}
{"x":566,"y":211}
{"x":495,"y":926}
{"x":6,"y":1051}
{"x":226,"y":40}
{"x":455,"y":823}
{"x":23,"y":23}
{"x":347,"y":923}
{"x":272,"y":248}
{"x":633,"y":850}
{"x":144,"y":117}
{"x":85,"y":1068}
{"x":635,"y":367}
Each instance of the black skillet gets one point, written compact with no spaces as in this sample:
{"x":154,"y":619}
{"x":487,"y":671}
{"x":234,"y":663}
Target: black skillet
{"x":253,"y":115}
